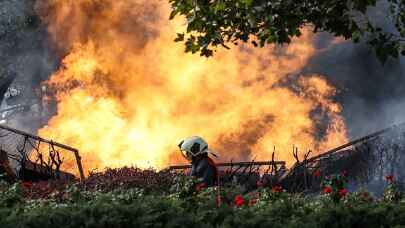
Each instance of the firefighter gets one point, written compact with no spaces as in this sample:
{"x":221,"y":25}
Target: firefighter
{"x":195,"y":149}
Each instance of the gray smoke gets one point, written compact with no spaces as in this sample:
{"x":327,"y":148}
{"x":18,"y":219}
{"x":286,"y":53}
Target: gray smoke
{"x":372,"y":94}
{"x":24,"y":52}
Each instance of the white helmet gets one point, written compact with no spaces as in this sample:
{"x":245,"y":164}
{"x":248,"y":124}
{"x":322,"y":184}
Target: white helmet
{"x":193,"y":146}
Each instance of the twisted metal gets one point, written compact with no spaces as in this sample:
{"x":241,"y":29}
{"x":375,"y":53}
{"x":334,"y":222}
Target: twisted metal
{"x":31,"y":152}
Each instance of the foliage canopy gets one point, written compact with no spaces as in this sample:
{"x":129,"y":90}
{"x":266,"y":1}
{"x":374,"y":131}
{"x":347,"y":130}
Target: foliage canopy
{"x":212,"y":23}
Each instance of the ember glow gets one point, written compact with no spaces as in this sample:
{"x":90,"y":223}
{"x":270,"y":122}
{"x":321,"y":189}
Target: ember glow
{"x":127,"y":94}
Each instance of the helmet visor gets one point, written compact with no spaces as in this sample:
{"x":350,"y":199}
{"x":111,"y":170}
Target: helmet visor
{"x":187,"y":155}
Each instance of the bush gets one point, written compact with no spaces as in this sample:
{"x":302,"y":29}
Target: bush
{"x":184,"y":205}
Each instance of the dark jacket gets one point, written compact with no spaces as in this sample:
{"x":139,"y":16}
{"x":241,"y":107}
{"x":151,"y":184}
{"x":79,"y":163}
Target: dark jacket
{"x":203,"y":168}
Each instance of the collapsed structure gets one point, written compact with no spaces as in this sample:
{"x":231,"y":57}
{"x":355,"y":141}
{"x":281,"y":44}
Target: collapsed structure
{"x":30,"y":157}
{"x":367,"y":159}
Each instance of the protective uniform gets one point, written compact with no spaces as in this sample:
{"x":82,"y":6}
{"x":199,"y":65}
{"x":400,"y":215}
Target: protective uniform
{"x":195,"y":149}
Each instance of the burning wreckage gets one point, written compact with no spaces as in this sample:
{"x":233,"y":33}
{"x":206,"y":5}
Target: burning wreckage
{"x":23,"y":155}
{"x":368,"y":159}
{"x":30,"y":157}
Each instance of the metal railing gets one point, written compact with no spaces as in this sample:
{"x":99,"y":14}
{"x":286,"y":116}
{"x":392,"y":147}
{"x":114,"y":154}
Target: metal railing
{"x":25,"y":148}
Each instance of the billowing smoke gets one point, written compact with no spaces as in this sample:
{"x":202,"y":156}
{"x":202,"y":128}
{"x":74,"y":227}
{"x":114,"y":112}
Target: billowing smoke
{"x":371,"y":93}
{"x":24,"y":54}
{"x":126,"y":93}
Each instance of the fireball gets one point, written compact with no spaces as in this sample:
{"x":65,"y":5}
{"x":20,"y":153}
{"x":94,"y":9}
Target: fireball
{"x":127,"y":93}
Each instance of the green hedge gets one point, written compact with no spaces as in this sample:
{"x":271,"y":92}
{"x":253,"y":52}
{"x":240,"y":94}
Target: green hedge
{"x":135,"y":208}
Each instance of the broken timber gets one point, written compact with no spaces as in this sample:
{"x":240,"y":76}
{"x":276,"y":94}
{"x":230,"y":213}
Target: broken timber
{"x":239,"y":164}
{"x":354,"y":142}
{"x":300,"y":178}
{"x":49,"y":142}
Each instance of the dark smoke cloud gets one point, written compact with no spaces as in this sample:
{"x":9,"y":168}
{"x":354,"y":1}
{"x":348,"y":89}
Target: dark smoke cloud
{"x":372,"y":94}
{"x":24,"y":51}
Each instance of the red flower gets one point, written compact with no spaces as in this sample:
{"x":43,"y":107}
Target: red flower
{"x":27,"y":185}
{"x":344,"y":173}
{"x":218,"y":200}
{"x":252,"y":201}
{"x":327,"y":190}
{"x":200,"y":186}
{"x":389,"y":178}
{"x":365,"y":194}
{"x":343,"y":192}
{"x":277,"y":189}
{"x":239,"y":201}
{"x":317,"y":173}
{"x":259,"y":184}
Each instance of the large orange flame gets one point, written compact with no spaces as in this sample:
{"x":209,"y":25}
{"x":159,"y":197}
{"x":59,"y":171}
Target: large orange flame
{"x":127,"y":94}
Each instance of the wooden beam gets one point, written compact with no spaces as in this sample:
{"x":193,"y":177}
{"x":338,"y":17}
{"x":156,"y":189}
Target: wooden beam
{"x":353,"y":142}
{"x":253,"y":163}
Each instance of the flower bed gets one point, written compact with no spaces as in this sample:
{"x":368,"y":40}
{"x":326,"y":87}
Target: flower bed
{"x":186,"y":204}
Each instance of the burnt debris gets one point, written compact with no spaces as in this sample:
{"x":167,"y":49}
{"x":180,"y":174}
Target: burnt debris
{"x":31,"y":158}
{"x":366,"y":161}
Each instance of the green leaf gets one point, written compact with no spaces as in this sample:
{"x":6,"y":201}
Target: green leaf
{"x":356,"y":36}
{"x":180,"y":37}
{"x":173,"y":14}
{"x":270,"y":22}
{"x":220,"y":6}
{"x":247,"y":3}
